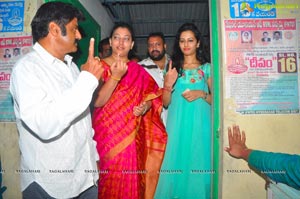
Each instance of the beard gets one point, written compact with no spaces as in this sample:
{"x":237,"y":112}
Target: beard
{"x":157,"y":57}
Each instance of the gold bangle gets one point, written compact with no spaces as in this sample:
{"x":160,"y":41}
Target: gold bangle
{"x":115,"y":78}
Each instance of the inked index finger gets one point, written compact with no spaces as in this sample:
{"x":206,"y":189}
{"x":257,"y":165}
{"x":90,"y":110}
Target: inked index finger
{"x":91,"y":48}
{"x":170,"y":65}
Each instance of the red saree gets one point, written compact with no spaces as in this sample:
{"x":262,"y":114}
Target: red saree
{"x":131,"y":148}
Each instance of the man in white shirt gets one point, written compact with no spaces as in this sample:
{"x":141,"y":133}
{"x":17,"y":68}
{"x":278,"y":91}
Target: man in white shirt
{"x":157,"y":61}
{"x":51,"y":99}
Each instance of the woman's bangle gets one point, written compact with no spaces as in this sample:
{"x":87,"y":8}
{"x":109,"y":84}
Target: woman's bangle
{"x":115,"y":78}
{"x":205,"y":96}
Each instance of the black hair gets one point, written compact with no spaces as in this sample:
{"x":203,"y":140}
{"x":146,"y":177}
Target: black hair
{"x":156,"y":34}
{"x":177,"y":55}
{"x":103,"y":42}
{"x":277,"y":32}
{"x":123,"y":25}
{"x":58,"y":12}
{"x":132,"y":55}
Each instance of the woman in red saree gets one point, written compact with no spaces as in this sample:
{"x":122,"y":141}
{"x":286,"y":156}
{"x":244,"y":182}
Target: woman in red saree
{"x":130,"y":135}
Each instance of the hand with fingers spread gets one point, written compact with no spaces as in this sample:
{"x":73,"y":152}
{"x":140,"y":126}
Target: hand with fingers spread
{"x":280,"y":167}
{"x":237,"y":143}
{"x":118,"y":69}
{"x":93,"y":64}
{"x":170,"y":77}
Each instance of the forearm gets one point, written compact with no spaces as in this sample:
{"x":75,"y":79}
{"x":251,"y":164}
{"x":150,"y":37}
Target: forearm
{"x":148,"y":106}
{"x":208,"y":98}
{"x":167,"y":95}
{"x":279,"y":167}
{"x":209,"y":92}
{"x":105,"y":92}
{"x":204,"y":95}
{"x":245,"y":154}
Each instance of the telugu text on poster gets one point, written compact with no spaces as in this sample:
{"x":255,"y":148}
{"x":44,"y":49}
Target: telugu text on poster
{"x":262,"y":65}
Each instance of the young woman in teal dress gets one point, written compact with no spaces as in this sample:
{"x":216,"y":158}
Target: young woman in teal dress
{"x":186,"y":171}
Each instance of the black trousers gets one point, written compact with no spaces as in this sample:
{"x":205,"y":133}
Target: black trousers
{"x":34,"y":190}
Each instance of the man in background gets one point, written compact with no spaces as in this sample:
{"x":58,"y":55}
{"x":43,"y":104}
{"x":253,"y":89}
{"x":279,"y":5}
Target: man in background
{"x":157,"y":61}
{"x":104,"y":48}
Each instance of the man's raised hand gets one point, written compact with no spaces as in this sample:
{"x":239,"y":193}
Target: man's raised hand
{"x":93,"y":64}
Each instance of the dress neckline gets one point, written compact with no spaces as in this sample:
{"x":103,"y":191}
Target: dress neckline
{"x":189,"y":69}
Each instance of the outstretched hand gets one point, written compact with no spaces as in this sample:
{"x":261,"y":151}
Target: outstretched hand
{"x":93,"y":64}
{"x":237,"y":143}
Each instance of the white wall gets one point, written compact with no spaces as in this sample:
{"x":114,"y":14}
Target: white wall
{"x":99,"y":13}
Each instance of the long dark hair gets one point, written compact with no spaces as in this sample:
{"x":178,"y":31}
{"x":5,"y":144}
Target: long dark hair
{"x":58,"y":12}
{"x":177,"y":55}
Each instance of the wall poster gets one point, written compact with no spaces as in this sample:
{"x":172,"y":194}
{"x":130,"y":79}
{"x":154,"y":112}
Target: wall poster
{"x":11,"y":16}
{"x":11,"y":49}
{"x":13,"y":44}
{"x":262,"y":65}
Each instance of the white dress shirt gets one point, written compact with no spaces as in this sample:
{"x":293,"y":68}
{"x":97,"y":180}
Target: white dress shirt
{"x":158,"y":75}
{"x":51,"y":100}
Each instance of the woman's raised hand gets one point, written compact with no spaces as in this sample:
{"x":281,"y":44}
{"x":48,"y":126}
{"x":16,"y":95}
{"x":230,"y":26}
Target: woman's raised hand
{"x":118,"y":68}
{"x":170,"y":77}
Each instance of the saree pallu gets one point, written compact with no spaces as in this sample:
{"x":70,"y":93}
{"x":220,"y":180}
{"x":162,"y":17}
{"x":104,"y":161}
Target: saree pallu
{"x":131,"y":148}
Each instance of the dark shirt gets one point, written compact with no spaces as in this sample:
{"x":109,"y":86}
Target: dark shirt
{"x":266,"y":39}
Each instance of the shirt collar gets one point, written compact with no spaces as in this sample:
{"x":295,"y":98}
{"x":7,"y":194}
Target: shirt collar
{"x":68,"y":59}
{"x":48,"y":57}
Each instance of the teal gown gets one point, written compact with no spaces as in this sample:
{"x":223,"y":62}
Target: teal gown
{"x":186,"y":168}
